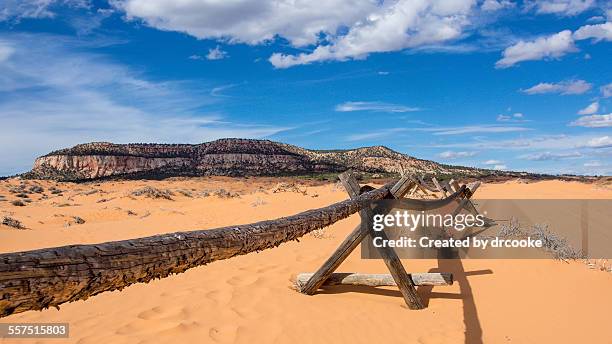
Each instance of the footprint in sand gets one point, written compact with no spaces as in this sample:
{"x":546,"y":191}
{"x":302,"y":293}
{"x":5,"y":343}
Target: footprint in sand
{"x":224,"y":334}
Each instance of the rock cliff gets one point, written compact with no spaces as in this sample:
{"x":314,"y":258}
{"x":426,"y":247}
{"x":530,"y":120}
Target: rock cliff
{"x":227,"y":157}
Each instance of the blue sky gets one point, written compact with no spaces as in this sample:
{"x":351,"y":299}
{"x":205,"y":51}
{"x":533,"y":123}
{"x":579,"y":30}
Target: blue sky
{"x":494,"y":84}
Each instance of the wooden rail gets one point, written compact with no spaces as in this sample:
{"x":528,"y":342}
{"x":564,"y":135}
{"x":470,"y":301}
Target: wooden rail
{"x":39,"y":279}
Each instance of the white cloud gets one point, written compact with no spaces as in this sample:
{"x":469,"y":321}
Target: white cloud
{"x":606,"y":90}
{"x":549,"y":47}
{"x":515,"y":117}
{"x":77,"y":97}
{"x":562,"y":7}
{"x":593,"y":164}
{"x":474,"y":129}
{"x":492,"y":162}
{"x":373,"y":106}
{"x":546,"y":156}
{"x":590,"y":109}
{"x":456,"y":155}
{"x":216,"y":54}
{"x":500,"y":167}
{"x":494,"y":5}
{"x":563,"y":87}
{"x":391,"y":27}
{"x":593,"y":121}
{"x":250,"y":21}
{"x":374,"y":134}
{"x":21,"y":9}
{"x":6,"y":50}
{"x":597,"y":32}
{"x":599,"y":142}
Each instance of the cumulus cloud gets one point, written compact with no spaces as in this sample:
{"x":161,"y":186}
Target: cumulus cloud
{"x":373,"y":106}
{"x":564,"y":87}
{"x":548,"y":47}
{"x":598,"y":32}
{"x":495,"y":5}
{"x":250,"y":21}
{"x":216,"y":54}
{"x":561,"y":7}
{"x":590,"y":109}
{"x":456,"y":155}
{"x":391,"y":27}
{"x":594,"y":121}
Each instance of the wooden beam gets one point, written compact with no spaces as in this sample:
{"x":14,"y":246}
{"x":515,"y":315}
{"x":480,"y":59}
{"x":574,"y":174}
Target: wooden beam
{"x":401,"y":278}
{"x":377,"y":280}
{"x":455,"y":185}
{"x":39,"y":279}
{"x":351,"y":241}
{"x":438,"y":186}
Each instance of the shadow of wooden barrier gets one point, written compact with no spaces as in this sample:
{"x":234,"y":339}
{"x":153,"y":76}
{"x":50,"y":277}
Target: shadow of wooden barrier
{"x":309,"y":283}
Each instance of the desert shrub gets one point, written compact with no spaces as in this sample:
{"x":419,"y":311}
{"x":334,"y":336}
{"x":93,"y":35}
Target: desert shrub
{"x":222,"y":193}
{"x":18,"y":203}
{"x":37,"y":189}
{"x":151,"y":192}
{"x":11,"y":222}
{"x":78,"y":220}
{"x":184,"y":192}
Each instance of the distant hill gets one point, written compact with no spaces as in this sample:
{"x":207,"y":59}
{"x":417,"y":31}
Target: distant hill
{"x":229,"y":157}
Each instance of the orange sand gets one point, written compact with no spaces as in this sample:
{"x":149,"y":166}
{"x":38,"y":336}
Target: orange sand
{"x":249,"y":299}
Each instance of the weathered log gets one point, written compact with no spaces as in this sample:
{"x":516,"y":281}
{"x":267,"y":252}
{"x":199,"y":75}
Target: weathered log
{"x":377,"y":280}
{"x":38,"y":279}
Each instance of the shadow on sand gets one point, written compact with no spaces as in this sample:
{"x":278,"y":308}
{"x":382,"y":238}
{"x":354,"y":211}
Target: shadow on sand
{"x":473,"y":330}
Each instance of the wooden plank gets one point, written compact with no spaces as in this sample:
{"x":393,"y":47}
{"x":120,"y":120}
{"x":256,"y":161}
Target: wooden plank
{"x":455,"y":185}
{"x":378,"y":280}
{"x":350,"y":242}
{"x":438,"y":186}
{"x":39,"y":279}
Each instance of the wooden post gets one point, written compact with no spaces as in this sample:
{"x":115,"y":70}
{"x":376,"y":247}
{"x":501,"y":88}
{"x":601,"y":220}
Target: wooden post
{"x":400,"y":276}
{"x":438,"y":186}
{"x":351,"y":241}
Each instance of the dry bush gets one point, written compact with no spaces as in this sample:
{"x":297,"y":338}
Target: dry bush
{"x":551,"y":242}
{"x":222,"y":193}
{"x":288,"y":187}
{"x":185,"y":192}
{"x":151,"y":192}
{"x":11,"y":222}
{"x":37,"y":189}
{"x":18,"y":203}
{"x":78,"y":220}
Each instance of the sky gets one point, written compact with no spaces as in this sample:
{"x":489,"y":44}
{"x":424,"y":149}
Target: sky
{"x":524,"y":86}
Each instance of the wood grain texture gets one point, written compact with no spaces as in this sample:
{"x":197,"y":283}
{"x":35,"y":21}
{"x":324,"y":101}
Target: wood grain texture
{"x":352,"y":240}
{"x":39,"y":279}
{"x":378,"y":280}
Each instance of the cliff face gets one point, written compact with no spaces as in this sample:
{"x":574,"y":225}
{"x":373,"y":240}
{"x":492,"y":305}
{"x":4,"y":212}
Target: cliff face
{"x":227,"y":157}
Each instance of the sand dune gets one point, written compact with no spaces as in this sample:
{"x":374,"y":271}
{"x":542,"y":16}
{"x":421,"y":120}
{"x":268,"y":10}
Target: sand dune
{"x":250,"y":298}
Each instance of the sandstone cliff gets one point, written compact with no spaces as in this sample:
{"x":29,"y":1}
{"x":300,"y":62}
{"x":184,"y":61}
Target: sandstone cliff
{"x":228,"y":157}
